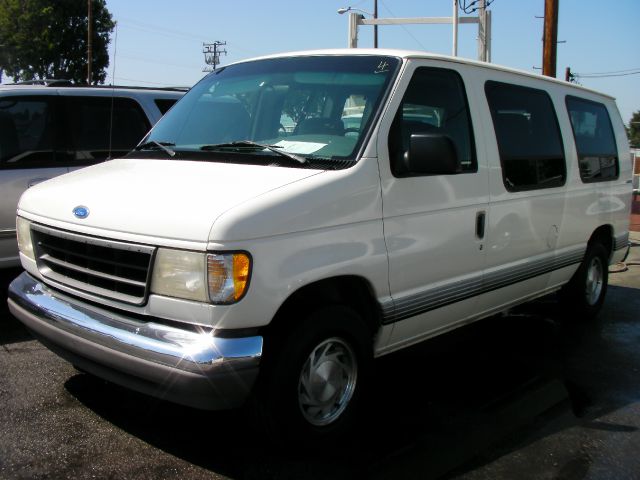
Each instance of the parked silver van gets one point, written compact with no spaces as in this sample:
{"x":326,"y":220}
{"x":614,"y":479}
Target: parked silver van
{"x":295,"y":216}
{"x":51,"y":129}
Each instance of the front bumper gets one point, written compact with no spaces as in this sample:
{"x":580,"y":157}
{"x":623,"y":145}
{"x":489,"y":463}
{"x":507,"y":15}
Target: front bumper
{"x":188,"y":365}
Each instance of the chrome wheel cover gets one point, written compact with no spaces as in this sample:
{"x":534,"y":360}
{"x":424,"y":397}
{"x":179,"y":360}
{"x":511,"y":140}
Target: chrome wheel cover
{"x":327,"y":381}
{"x":595,"y":280}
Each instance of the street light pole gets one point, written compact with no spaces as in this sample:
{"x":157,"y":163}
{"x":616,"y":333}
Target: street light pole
{"x":455,"y":28}
{"x":355,"y":19}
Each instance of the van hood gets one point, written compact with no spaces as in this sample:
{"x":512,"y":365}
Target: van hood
{"x":160,"y":198}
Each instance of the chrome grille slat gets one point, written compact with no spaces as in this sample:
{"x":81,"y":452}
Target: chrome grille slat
{"x":87,"y":257}
{"x":71,"y":266}
{"x":103,"y":267}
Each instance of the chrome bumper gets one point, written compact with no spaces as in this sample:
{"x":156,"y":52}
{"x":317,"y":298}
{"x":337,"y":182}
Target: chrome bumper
{"x":187,"y":366}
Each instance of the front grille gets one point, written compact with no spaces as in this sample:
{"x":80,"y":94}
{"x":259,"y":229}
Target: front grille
{"x":107,"y":268}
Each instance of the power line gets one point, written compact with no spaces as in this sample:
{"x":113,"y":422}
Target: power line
{"x":586,"y":75}
{"x":403,"y":27}
{"x":614,"y":72}
{"x":167,"y":32}
{"x":470,"y":7}
{"x":158,"y":62}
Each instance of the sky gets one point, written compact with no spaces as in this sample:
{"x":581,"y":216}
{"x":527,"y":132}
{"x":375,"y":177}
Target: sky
{"x":159,"y":42}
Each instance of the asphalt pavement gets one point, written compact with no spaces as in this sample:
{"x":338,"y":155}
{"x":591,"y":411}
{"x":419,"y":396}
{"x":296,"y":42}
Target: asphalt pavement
{"x":523,"y":395}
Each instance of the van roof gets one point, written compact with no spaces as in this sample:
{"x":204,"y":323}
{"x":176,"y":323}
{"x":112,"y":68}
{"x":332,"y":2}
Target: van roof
{"x":417,"y":54}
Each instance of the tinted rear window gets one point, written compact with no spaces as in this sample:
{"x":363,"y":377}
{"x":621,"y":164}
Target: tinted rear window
{"x":104,"y":127}
{"x":528,"y":136}
{"x":164,"y":104}
{"x":595,"y":141}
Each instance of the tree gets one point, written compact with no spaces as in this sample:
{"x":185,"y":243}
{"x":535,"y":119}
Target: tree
{"x":634,"y":130}
{"x":48,"y":39}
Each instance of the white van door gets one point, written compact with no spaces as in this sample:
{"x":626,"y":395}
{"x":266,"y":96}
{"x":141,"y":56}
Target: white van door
{"x":434,"y":218}
{"x":527,"y":181}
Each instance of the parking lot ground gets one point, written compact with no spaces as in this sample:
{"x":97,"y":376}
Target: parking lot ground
{"x":524,"y":395}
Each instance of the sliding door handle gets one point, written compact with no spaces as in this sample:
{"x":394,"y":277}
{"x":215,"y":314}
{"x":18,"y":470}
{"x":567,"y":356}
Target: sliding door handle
{"x":480,"y":221}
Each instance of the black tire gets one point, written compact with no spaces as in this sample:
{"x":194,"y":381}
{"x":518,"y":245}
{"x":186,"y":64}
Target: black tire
{"x":342,"y":351}
{"x":584,"y":295}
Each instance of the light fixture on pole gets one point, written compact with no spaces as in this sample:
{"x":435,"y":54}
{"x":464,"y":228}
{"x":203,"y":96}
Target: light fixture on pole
{"x":374,"y":15}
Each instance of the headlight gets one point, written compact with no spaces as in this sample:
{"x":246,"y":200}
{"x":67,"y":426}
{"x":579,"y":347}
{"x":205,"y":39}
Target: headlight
{"x":179,"y":273}
{"x":23,"y":230}
{"x":228,"y":276}
{"x":221,"y":278}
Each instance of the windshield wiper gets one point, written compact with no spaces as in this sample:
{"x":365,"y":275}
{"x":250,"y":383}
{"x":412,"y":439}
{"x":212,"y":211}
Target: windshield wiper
{"x":162,"y":145}
{"x":248,"y":144}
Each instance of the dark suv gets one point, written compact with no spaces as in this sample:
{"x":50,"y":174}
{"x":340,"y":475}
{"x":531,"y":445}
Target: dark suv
{"x":47,"y":130}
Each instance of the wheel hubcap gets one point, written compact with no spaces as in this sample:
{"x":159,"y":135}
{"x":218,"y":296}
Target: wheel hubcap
{"x":595,"y":276}
{"x":327,"y":381}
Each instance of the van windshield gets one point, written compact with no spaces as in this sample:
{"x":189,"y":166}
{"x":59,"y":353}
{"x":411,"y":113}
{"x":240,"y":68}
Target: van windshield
{"x":311,"y":112}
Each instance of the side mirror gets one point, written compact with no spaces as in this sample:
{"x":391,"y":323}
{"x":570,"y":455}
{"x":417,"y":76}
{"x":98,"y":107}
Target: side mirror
{"x":430,"y":154}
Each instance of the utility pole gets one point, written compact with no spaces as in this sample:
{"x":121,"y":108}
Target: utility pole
{"x":484,"y":32}
{"x":212,"y":52}
{"x":89,"y":41}
{"x":375,"y":27}
{"x":550,"y":38}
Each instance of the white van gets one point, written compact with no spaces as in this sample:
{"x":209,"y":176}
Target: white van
{"x":295,"y":216}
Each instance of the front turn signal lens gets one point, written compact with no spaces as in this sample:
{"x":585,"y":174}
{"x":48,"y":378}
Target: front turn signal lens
{"x":228,"y":276}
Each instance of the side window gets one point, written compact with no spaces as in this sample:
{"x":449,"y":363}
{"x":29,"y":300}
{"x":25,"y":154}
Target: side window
{"x":164,"y":104}
{"x":435,"y":103}
{"x":27,"y":133}
{"x":595,"y":141}
{"x":95,"y":135}
{"x":353,"y":113}
{"x":528,"y":136}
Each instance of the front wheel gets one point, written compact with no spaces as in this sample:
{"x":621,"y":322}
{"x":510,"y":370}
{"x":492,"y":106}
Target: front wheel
{"x":314,"y":374}
{"x":327,"y":381}
{"x":586,"y":291}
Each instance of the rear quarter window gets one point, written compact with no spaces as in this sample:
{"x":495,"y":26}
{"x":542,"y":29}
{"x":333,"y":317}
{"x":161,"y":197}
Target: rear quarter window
{"x":164,"y":104}
{"x":595,"y":141}
{"x":104,"y":127}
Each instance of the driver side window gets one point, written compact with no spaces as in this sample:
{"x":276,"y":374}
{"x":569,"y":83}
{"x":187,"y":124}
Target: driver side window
{"x":435,"y":103}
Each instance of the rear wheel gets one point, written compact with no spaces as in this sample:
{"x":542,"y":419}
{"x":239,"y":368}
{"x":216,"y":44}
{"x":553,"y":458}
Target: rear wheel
{"x":586,"y":291}
{"x":313,"y":376}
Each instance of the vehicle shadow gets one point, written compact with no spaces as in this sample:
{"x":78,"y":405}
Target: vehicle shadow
{"x":435,"y":410}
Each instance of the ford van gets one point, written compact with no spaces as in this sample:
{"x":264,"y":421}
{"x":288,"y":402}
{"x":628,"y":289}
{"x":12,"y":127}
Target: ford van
{"x":295,"y":216}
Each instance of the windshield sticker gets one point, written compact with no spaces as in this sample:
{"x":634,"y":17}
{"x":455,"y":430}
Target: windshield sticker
{"x":383,"y":67}
{"x":303,"y":148}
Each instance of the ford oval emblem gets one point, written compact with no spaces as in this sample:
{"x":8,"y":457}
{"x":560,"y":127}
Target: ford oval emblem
{"x":81,"y":212}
